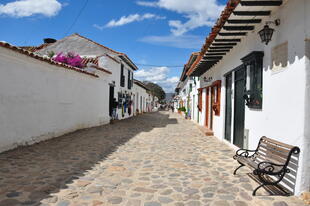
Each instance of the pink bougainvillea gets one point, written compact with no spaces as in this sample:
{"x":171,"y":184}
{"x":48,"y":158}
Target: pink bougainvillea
{"x":70,"y":58}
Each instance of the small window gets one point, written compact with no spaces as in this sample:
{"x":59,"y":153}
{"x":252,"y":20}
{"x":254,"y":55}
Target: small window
{"x":254,"y":79}
{"x":200,"y":99}
{"x":216,"y":90}
{"x":122,"y":76}
{"x":129,"y":80}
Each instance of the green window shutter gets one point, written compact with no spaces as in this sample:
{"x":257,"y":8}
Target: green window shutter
{"x":255,"y":93}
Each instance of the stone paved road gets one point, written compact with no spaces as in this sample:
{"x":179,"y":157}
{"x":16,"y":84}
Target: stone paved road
{"x":150,"y":160}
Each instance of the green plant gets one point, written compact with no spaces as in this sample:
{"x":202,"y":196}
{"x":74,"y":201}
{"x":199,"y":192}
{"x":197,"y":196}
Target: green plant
{"x":50,"y":54}
{"x":182,"y":109}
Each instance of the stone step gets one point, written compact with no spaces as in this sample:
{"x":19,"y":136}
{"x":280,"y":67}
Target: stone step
{"x":206,"y":131}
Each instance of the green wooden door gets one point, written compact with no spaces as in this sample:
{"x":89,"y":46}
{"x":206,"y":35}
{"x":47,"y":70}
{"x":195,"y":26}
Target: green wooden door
{"x":228,"y":108}
{"x":239,"y":107}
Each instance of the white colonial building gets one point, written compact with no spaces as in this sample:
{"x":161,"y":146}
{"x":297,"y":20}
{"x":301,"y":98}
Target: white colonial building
{"x":41,"y":98}
{"x":121,"y":68}
{"x":187,"y":92}
{"x":251,"y":88}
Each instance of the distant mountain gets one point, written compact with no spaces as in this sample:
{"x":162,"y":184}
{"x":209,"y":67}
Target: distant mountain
{"x":169,"y":97}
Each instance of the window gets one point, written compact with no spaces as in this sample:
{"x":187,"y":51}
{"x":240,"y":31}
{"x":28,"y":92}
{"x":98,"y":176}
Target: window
{"x":129,"y":80}
{"x":200,"y":99}
{"x":216,"y":91}
{"x":190,"y":87}
{"x":254,"y":79}
{"x":122,"y":76}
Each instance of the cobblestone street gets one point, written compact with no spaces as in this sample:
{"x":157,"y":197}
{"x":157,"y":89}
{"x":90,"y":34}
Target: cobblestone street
{"x":150,"y":160}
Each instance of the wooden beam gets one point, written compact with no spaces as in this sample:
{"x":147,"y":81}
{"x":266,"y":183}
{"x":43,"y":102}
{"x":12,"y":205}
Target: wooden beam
{"x":261,"y":3}
{"x":224,"y":44}
{"x":214,"y":51}
{"x":221,"y":47}
{"x":214,"y":54}
{"x":252,"y":13}
{"x":227,"y":40}
{"x":232,"y":33}
{"x":244,"y":21}
{"x":238,"y":28}
{"x":212,"y":58}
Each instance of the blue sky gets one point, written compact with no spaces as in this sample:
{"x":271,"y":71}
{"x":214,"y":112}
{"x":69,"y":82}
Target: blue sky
{"x":162,"y":33}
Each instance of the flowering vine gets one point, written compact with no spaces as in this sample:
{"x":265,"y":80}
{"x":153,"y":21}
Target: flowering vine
{"x":70,"y":58}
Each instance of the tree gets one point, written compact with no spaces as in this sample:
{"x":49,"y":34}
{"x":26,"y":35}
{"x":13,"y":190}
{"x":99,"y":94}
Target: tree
{"x":156,"y":90}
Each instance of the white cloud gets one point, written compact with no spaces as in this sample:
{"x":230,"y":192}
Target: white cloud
{"x":25,"y":8}
{"x":198,"y":12}
{"x":132,"y":18}
{"x":184,"y":41}
{"x":98,"y":26}
{"x":158,"y":75}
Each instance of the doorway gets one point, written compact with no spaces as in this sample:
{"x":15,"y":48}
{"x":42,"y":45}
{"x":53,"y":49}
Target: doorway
{"x":211,"y":106}
{"x":228,"y":107}
{"x":207,"y":107}
{"x":111,"y":100}
{"x":239,"y":108}
{"x":193,"y":108}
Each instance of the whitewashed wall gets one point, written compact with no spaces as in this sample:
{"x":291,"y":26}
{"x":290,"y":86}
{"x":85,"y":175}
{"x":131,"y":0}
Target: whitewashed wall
{"x":284,"y":115}
{"x":194,"y":97}
{"x":39,"y":101}
{"x":140,"y":92}
{"x":115,"y":68}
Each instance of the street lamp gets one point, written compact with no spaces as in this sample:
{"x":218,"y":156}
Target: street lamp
{"x":267,"y":32}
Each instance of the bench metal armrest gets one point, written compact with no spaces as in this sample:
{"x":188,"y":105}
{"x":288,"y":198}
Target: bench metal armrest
{"x":244,"y":153}
{"x":270,"y":168}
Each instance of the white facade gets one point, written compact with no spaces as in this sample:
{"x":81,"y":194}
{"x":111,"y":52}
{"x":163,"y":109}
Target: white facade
{"x":107,"y":59}
{"x":141,"y":99}
{"x":39,"y":101}
{"x":285,"y":112}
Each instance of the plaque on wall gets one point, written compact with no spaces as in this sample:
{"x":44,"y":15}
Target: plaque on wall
{"x":279,"y":57}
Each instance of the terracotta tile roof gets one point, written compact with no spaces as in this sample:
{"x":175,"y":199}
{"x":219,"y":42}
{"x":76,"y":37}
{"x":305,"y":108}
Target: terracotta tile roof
{"x":123,"y":56}
{"x":31,"y":54}
{"x":35,"y":48}
{"x":94,"y":61}
{"x":96,"y":43}
{"x":228,"y":10}
{"x":112,"y":58}
{"x":101,"y":69}
{"x":126,"y":58}
{"x":128,"y":61}
{"x":188,"y":65}
{"x":141,"y":84}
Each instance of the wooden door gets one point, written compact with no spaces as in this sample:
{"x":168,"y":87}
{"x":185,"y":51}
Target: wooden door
{"x":211,"y":106}
{"x":239,"y":108}
{"x":228,"y":107}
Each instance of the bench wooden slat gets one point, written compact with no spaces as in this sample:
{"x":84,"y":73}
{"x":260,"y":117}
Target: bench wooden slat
{"x":275,"y":147}
{"x":266,"y":139}
{"x":273,"y":153}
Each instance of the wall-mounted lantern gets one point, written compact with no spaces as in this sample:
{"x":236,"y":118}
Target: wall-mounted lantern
{"x":207,"y":79}
{"x":267,"y":32}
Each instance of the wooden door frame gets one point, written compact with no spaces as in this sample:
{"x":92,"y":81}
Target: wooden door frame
{"x":230,"y":75}
{"x":207,"y":107}
{"x":241,"y":67}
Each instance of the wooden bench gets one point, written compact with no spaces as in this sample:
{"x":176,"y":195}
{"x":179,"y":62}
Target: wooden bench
{"x":269,"y":161}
